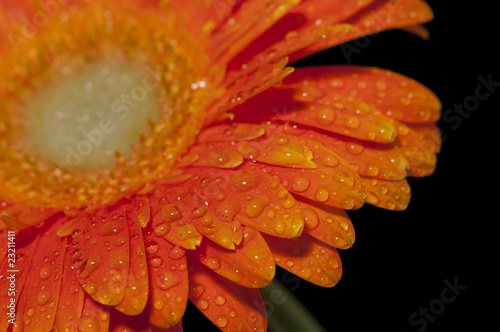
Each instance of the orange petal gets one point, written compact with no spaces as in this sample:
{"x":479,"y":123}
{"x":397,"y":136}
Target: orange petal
{"x":215,"y":155}
{"x":328,"y":224}
{"x":249,"y":265}
{"x":333,"y":182}
{"x":20,"y":216}
{"x":243,"y":26}
{"x":228,"y":305}
{"x":71,"y":298}
{"x":231,"y":132}
{"x":279,"y":149}
{"x":246,"y":195}
{"x":306,"y":24}
{"x":391,"y":195}
{"x":307,"y":258}
{"x":95,"y":316}
{"x":101,"y":254}
{"x":137,"y":290}
{"x":168,"y":277}
{"x":383,"y":161}
{"x":382,"y":15}
{"x":37,"y":305}
{"x":418,"y":30}
{"x":367,"y":89}
{"x":26,"y":243}
{"x":419,"y":148}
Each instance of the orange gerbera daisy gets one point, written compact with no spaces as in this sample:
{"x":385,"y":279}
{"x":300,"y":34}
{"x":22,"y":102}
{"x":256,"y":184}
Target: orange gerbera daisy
{"x":160,"y":151}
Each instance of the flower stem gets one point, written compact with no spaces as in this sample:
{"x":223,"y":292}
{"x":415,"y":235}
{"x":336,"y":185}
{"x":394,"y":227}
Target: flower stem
{"x":285,"y":313}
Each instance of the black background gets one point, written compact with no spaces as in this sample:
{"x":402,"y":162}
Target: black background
{"x":400,"y":259}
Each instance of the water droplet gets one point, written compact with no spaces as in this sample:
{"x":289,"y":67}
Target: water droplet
{"x":362,"y":108}
{"x":166,"y":280}
{"x":198,"y":212}
{"x":354,"y":148}
{"x":159,"y":304}
{"x":322,"y":194}
{"x":352,"y":122}
{"x":104,"y":297}
{"x":88,"y":325}
{"x":310,"y":218}
{"x":227,"y":211}
{"x":152,"y":247}
{"x":325,"y":116}
{"x":245,"y":181}
{"x":221,"y":321}
{"x":162,"y":229}
{"x":306,"y":272}
{"x":111,"y":228}
{"x":348,"y":203}
{"x":119,"y":260}
{"x":90,"y":266}
{"x":213,"y":263}
{"x":202,"y":304}
{"x":44,"y":273}
{"x":279,"y":226}
{"x":300,"y":184}
{"x":155,"y":261}
{"x":30,"y":312}
{"x":220,"y":300}
{"x":330,"y":161}
{"x":176,"y":253}
{"x":307,"y":93}
{"x":43,"y":297}
{"x":372,"y":169}
{"x":257,"y":256}
{"x":91,"y":288}
{"x":197,"y":290}
{"x":255,"y":207}
{"x":170,"y":213}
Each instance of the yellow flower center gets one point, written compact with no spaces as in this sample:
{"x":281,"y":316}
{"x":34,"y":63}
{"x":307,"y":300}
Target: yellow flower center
{"x":86,"y":118}
{"x":97,"y":102}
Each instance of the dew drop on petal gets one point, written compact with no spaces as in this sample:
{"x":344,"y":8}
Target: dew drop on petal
{"x":322,"y":194}
{"x":221,"y":321}
{"x":300,"y":184}
{"x":30,"y":312}
{"x":220,"y":300}
{"x":43,"y":297}
{"x":325,"y":116}
{"x":155,"y":261}
{"x":44,"y":273}
{"x":111,"y":228}
{"x":213,"y":263}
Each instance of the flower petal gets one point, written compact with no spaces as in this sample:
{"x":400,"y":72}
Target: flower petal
{"x":214,"y":155}
{"x":168,"y":277}
{"x":418,"y":144}
{"x":137,"y":289}
{"x":307,"y":258}
{"x":26,"y":243}
{"x":328,"y":224}
{"x":228,"y":305}
{"x":249,"y":265}
{"x":71,"y":299}
{"x":383,"y":161}
{"x":391,"y":195}
{"x":367,"y":89}
{"x":231,"y":132}
{"x":381,"y":15}
{"x":101,"y":254}
{"x":40,"y":295}
{"x":95,"y":316}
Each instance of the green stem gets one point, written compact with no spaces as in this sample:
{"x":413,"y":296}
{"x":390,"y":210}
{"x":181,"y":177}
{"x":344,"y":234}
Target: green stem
{"x":285,"y":313}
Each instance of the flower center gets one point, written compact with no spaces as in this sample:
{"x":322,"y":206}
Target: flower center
{"x":99,"y":103}
{"x":87,"y":117}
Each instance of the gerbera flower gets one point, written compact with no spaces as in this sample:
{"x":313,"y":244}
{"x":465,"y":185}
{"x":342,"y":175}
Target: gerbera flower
{"x":160,"y":151}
